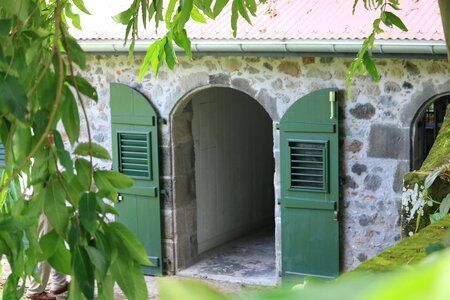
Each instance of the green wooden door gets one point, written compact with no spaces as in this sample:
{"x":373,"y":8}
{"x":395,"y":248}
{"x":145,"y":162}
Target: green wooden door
{"x":309,"y":153}
{"x":135,"y":153}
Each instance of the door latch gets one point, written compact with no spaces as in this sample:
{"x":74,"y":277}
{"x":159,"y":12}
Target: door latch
{"x":119,"y":198}
{"x":332,"y":100}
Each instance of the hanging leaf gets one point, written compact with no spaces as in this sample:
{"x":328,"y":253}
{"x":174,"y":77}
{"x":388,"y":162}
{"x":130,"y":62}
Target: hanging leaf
{"x":75,"y":52}
{"x":116,"y":179}
{"x":83,"y":86}
{"x":94,"y":150}
{"x":12,"y":97}
{"x":391,"y":19}
{"x":81,"y":6}
{"x":70,"y":116}
{"x":63,"y":154}
{"x":86,"y":208}
{"x":55,"y":207}
{"x":371,"y":67}
{"x":83,"y":272}
{"x":126,"y":239}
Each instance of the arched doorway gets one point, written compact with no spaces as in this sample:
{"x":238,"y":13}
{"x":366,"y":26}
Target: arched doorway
{"x":425,"y":127}
{"x":223,"y":166}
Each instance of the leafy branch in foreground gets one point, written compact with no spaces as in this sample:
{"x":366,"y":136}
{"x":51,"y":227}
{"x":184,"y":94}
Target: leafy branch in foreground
{"x":363,"y":63}
{"x":39,"y":89}
{"x":175,"y":16}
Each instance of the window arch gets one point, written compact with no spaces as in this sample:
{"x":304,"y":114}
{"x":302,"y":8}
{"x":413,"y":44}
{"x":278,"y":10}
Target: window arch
{"x":425,"y":127}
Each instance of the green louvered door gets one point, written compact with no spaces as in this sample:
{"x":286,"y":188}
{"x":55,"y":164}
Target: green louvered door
{"x":309,"y":153}
{"x":135,"y":153}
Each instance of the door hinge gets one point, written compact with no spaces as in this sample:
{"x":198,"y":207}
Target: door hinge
{"x":167,"y":260}
{"x":336,"y":216}
{"x":119,"y":198}
{"x":277,"y":126}
{"x":278,"y":201}
{"x":164,"y":193}
{"x":162,"y":121}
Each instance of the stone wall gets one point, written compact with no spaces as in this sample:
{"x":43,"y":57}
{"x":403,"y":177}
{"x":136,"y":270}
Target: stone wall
{"x":375,"y":127}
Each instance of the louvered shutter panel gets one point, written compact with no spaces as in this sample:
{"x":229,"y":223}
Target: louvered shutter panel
{"x":135,"y":154}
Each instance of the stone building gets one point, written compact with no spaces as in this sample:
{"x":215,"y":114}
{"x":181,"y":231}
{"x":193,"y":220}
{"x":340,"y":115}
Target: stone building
{"x":222,"y":171}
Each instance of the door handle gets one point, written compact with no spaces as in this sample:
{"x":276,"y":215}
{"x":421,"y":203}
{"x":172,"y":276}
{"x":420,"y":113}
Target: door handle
{"x":332,"y":100}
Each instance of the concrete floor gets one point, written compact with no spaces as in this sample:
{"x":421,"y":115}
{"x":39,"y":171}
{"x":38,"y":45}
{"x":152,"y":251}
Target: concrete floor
{"x":249,"y":260}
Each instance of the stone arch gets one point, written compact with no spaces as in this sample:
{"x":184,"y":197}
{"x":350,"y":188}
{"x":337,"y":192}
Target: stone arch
{"x":183,"y":168}
{"x":419,"y":114}
{"x":261,"y":96}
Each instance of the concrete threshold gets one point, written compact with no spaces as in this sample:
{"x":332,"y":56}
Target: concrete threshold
{"x":249,"y":260}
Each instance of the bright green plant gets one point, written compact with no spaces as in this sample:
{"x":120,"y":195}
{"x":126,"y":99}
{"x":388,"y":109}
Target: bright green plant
{"x":39,"y":88}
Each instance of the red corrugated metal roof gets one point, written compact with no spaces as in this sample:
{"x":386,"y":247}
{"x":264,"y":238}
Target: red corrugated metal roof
{"x":281,"y":20}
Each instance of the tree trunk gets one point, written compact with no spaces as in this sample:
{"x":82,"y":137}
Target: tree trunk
{"x":444,"y":6}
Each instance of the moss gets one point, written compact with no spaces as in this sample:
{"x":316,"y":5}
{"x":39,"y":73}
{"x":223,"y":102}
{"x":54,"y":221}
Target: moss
{"x":440,"y":151}
{"x":409,"y":251}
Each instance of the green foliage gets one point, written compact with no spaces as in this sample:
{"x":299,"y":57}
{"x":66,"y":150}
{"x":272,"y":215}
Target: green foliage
{"x":175,"y":16}
{"x":363,"y":63}
{"x":38,"y":89}
{"x":429,"y":280}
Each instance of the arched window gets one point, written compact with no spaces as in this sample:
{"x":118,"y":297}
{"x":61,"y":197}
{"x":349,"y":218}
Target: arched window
{"x":425,"y":127}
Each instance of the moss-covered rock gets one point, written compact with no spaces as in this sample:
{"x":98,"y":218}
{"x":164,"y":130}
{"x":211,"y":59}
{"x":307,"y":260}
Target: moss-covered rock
{"x":409,"y":251}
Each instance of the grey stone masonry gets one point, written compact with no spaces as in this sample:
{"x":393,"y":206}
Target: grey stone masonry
{"x":375,"y":130}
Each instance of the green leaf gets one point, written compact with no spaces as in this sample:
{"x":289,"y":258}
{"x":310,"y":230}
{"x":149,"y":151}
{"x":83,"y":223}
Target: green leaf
{"x":55,"y":207}
{"x":75,"y":52}
{"x":83,"y":272}
{"x":148,"y":58}
{"x":197,"y":16}
{"x":130,"y":278}
{"x":181,"y":39}
{"x":60,"y":260}
{"x":73,"y":16}
{"x":98,"y":261}
{"x":70,"y":116}
{"x":96,"y":150}
{"x":83,"y":168}
{"x":81,"y":6}
{"x":14,"y":224}
{"x":21,"y":143}
{"x":106,"y":288}
{"x":390,"y":19}
{"x":169,"y":12}
{"x":5,"y":27}
{"x":86,"y":207}
{"x":64,"y":156}
{"x":125,"y":238}
{"x":124,"y":17}
{"x":12,"y":97}
{"x":83,"y":86}
{"x":48,"y":243}
{"x":371,"y":67}
{"x":445,"y":205}
{"x":432,"y":177}
{"x":219,"y":6}
{"x":171,"y":58}
{"x":116,"y":179}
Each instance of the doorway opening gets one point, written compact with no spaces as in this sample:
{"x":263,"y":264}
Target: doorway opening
{"x":426,"y":125}
{"x":224,"y":187}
